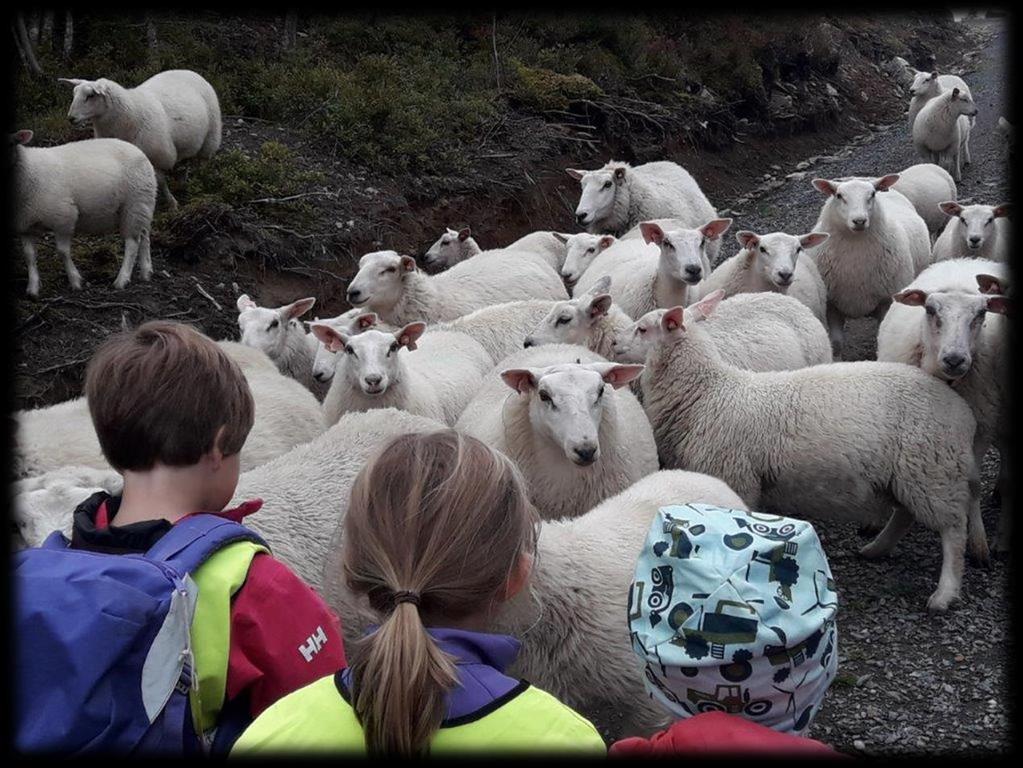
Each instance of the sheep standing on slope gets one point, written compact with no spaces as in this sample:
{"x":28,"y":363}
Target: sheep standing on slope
{"x":352,"y":322}
{"x":877,"y":244}
{"x":392,"y":286}
{"x":590,"y":320}
{"x":379,"y":369}
{"x":91,"y":187}
{"x":974,"y":232}
{"x":927,"y":85}
{"x":857,"y":438}
{"x":279,"y":333}
{"x":926,"y":185}
{"x":752,"y":331}
{"x":576,"y":440}
{"x":617,"y":197}
{"x":960,"y":337}
{"x":172,"y":116}
{"x":775,"y":262}
{"x":941,"y":132}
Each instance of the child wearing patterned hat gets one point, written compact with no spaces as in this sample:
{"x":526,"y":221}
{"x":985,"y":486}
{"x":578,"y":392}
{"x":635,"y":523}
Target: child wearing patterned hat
{"x":733,"y":615}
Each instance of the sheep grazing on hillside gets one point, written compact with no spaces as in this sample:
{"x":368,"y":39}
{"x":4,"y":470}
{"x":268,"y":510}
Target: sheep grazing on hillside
{"x":753,"y":331}
{"x":172,"y":116}
{"x":380,"y":369}
{"x":858,"y":438}
{"x":941,"y":132}
{"x":618,"y":196}
{"x":392,"y":285}
{"x":91,"y":187}
{"x":775,"y":262}
{"x":577,"y":436}
{"x":580,"y":252}
{"x":501,"y":328}
{"x":926,"y":185}
{"x":280,"y":334}
{"x":877,"y":244}
{"x":927,"y":85}
{"x":590,"y":320}
{"x":944,"y":325}
{"x":352,"y":322}
{"x":974,"y":232}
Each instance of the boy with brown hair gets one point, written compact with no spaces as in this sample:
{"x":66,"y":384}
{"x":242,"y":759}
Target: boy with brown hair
{"x":172,"y":411}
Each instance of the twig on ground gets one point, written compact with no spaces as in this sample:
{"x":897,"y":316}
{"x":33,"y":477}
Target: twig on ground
{"x":61,"y":366}
{"x":202,"y":290}
{"x":317,"y":193}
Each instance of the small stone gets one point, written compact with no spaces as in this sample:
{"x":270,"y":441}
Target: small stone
{"x":797,"y":176}
{"x":802,"y":166}
{"x":859,"y":745}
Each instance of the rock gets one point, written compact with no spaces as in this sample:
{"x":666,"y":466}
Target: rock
{"x":797,"y":176}
{"x":779,"y":103}
{"x":859,"y":745}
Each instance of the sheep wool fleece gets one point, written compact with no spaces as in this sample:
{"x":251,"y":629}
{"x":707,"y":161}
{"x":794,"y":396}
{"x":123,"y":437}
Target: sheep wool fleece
{"x":734,"y":611}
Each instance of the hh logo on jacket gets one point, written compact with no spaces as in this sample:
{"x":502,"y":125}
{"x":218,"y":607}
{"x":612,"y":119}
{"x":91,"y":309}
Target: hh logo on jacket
{"x":313,"y":644}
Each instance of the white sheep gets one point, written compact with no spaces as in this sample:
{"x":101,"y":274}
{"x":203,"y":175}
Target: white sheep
{"x":353,"y":321}
{"x":453,"y":246}
{"x":927,"y":85}
{"x":926,"y":185}
{"x":172,"y":116}
{"x":941,"y":131}
{"x":546,"y":243}
{"x":581,"y":250}
{"x":90,"y":187}
{"x":618,"y":196}
{"x":392,"y":285}
{"x":636,"y":233}
{"x":960,"y":337}
{"x":286,"y":415}
{"x":753,"y":331}
{"x":775,"y":262}
{"x":576,"y":440}
{"x":974,"y":231}
{"x":501,"y":328}
{"x":664,"y":277}
{"x":380,"y":369}
{"x":877,"y":244}
{"x":590,"y":320}
{"x":837,"y":441}
{"x":280,"y":334}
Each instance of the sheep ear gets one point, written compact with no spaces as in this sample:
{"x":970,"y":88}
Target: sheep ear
{"x":408,"y":335}
{"x":606,"y":241}
{"x":519,"y":379}
{"x":989,"y":284}
{"x":244,"y":302}
{"x":824,"y":185}
{"x":934,"y":75}
{"x":951,"y":208}
{"x":463,"y":234}
{"x":599,"y":305}
{"x":652,"y":233}
{"x":617,"y":374}
{"x":885,"y":182}
{"x":575,"y":174}
{"x":911,"y":298}
{"x":560,"y":237}
{"x":297,"y":308}
{"x":813,"y":239}
{"x":619,"y":175}
{"x":955,"y":93}
{"x":1005,"y":209}
{"x":23,"y":136}
{"x":603,"y":285}
{"x":72,"y":81}
{"x":368,"y":320}
{"x":1000,"y":304}
{"x":712,"y":230}
{"x":706,"y":306}
{"x":408,"y":264}
{"x":332,"y":339}
{"x":671,"y":320}
{"x":747,"y":239}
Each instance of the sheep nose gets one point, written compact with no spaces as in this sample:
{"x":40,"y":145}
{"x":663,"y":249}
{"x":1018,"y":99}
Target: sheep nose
{"x":373,"y":380}
{"x":859,"y":222}
{"x":693,"y":270}
{"x":581,"y":218}
{"x":585,"y":454}
{"x":354,"y":294}
{"x":784,"y":275}
{"x":953,"y":362}
{"x":527,"y":342}
{"x":974,"y":240}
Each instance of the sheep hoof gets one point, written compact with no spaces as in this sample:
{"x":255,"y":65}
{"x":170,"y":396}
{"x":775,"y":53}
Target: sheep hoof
{"x":32,"y":291}
{"x":120,"y":284}
{"x":939,"y":602}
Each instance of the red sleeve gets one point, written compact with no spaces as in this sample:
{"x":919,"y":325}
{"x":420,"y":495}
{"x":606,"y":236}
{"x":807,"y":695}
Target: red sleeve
{"x":283,"y":636}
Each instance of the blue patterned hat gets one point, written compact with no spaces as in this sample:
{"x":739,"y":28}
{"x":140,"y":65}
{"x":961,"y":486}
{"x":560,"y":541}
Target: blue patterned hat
{"x":735,"y":611}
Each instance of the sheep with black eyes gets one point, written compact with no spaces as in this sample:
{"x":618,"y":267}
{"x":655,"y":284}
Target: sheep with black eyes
{"x":581,"y":251}
{"x":590,"y":320}
{"x":974,"y":232}
{"x":279,"y":333}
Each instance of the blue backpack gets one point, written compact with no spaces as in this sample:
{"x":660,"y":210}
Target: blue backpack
{"x":103,"y":649}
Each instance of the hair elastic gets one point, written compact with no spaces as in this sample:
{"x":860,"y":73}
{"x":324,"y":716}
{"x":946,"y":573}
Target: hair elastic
{"x":406,"y":596}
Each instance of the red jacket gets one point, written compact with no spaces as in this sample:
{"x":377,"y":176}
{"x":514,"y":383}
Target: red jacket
{"x":720,"y":733}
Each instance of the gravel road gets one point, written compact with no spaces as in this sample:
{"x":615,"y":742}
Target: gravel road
{"x":909,"y":682}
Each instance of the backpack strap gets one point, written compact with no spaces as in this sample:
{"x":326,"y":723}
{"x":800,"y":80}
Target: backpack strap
{"x":192,"y":541}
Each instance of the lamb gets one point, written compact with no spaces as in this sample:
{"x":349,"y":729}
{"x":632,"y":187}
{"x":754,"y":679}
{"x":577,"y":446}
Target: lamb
{"x":877,"y":244}
{"x":960,"y":339}
{"x":353,"y":321}
{"x":975,"y":232}
{"x":618,"y":196}
{"x":636,"y":233}
{"x":454,"y":246}
{"x":575,"y":440}
{"x":373,"y":372}
{"x":580,"y":252}
{"x":500,"y":328}
{"x":172,"y":116}
{"x":775,"y":262}
{"x":286,"y":413}
{"x":927,"y":85}
{"x":753,"y":331}
{"x":857,"y":438}
{"x":590,"y":320}
{"x":92,"y":187}
{"x":646,"y":282}
{"x":279,"y":333}
{"x":941,"y":132}
{"x":394,"y":288}
{"x":925,"y":185}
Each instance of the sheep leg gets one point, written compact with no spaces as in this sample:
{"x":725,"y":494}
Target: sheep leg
{"x":976,"y":538}
{"x":836,"y":330}
{"x":882,"y":546}
{"x":163,"y":191}
{"x":131,"y":249}
{"x":29,"y":247}
{"x":145,"y":258}
{"x":953,"y":545}
{"x":63,"y":241}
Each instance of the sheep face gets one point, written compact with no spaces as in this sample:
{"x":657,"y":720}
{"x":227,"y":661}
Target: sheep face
{"x":268,"y":329}
{"x":380,"y":280}
{"x":567,"y":403}
{"x":925,"y":84}
{"x":632,"y":344}
{"x":684,"y":251}
{"x":571,"y":322}
{"x":851,"y":201}
{"x":775,"y":255}
{"x":598,"y":193}
{"x":962,"y":103}
{"x":370,"y":360}
{"x":90,"y":100}
{"x":448,"y":250}
{"x":953,"y":323}
{"x":352,"y":322}
{"x":581,"y":250}
{"x":976,"y":222}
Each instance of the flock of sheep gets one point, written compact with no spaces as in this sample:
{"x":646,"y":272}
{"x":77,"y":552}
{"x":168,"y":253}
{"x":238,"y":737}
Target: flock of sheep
{"x":615,"y":366}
